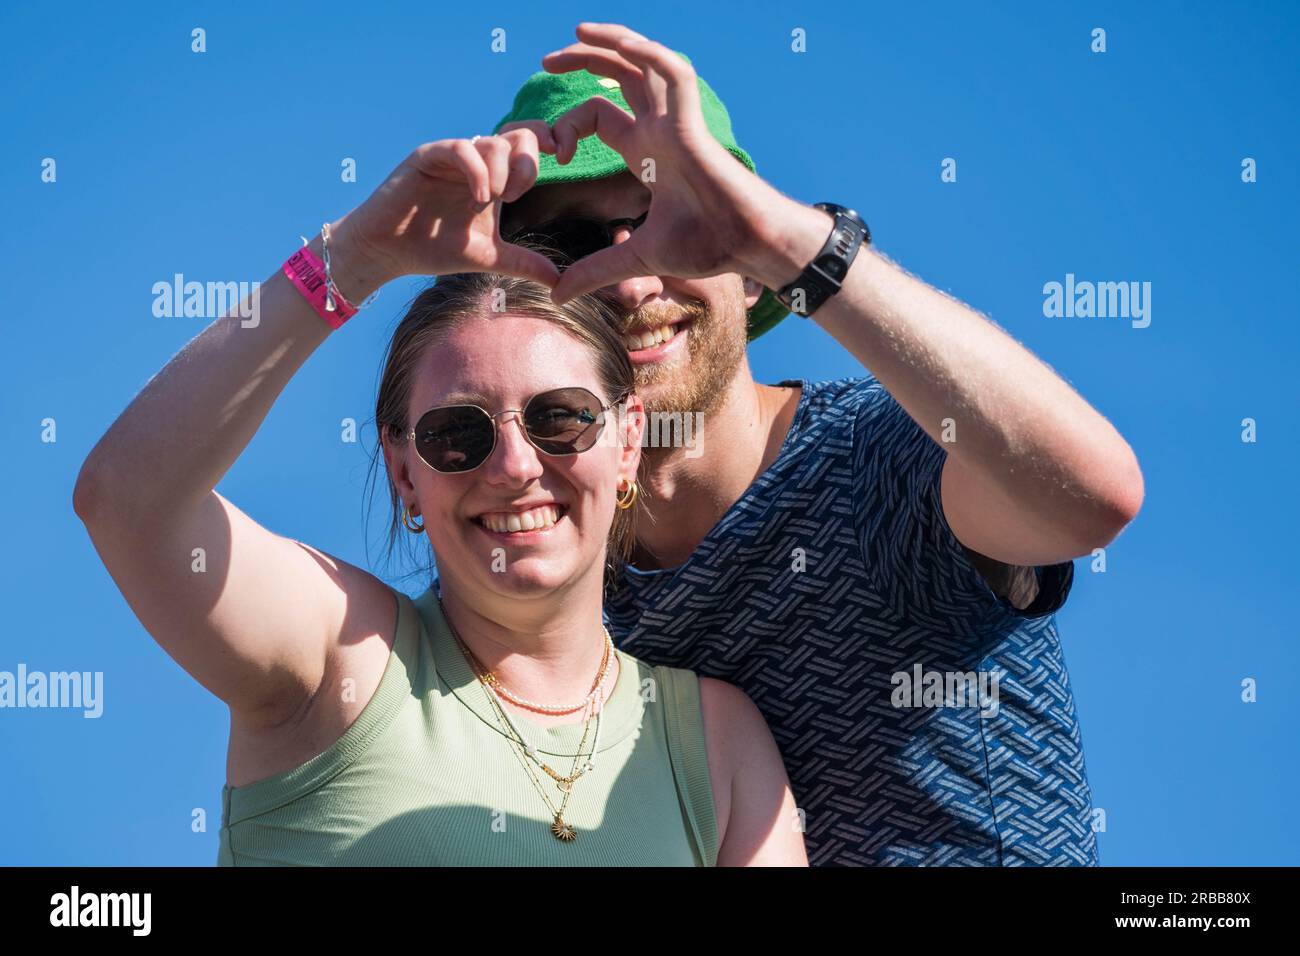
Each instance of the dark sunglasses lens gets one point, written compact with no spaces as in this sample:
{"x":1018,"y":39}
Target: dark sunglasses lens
{"x":570,"y":238}
{"x":454,"y":439}
{"x":564,"y":421}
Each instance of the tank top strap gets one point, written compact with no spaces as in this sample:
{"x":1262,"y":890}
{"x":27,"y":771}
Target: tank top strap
{"x":685,"y":732}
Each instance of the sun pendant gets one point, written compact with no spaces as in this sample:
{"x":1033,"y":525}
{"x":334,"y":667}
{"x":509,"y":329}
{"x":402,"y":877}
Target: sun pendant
{"x":562,"y":831}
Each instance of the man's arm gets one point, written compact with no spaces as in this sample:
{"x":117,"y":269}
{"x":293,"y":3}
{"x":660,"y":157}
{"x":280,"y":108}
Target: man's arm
{"x":1035,"y":475}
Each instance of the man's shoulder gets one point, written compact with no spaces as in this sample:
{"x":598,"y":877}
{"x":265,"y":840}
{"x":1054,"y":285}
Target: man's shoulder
{"x":860,"y":410}
{"x":846,"y":386}
{"x":836,"y":398}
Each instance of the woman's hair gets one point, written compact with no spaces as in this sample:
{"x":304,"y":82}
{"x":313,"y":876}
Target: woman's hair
{"x":590,"y":318}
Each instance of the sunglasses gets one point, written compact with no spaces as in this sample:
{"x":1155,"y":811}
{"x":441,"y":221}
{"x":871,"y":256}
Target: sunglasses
{"x":573,"y":237}
{"x":454,"y":439}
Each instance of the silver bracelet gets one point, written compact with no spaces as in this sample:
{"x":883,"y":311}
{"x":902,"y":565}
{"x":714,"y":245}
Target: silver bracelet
{"x":330,"y":288}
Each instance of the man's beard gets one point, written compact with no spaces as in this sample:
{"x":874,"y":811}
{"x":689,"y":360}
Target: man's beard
{"x":716,"y":348}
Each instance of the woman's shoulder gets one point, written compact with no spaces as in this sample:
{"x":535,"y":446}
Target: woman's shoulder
{"x":749,"y":780}
{"x":719,"y":703}
{"x":730,"y":715}
{"x":722,"y":718}
{"x":722,"y":712}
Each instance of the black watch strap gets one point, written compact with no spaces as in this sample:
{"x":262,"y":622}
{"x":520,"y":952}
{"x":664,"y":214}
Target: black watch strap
{"x":822,"y":277}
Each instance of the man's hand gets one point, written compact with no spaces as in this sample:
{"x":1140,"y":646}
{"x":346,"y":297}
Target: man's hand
{"x":1037,"y":475}
{"x":707,"y":211}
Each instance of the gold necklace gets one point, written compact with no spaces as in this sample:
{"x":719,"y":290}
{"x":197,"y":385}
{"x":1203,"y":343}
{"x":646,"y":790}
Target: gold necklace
{"x":491,"y":679}
{"x":556,"y":709}
{"x":560,"y":829}
{"x":485,"y":677}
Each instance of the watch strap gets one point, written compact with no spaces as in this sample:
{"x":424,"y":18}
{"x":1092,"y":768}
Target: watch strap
{"x":823,"y":276}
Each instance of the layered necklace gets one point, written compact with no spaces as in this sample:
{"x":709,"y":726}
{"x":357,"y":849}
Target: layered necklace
{"x":493,"y":688}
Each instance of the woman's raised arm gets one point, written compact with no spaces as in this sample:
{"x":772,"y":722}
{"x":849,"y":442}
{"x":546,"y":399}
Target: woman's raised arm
{"x":256,"y":625}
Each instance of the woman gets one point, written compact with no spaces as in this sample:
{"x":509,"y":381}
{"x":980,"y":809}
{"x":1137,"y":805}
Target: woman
{"x":490,"y":720}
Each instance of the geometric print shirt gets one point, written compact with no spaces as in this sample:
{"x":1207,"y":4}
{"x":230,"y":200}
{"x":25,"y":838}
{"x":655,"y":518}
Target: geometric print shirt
{"x":923,"y":719}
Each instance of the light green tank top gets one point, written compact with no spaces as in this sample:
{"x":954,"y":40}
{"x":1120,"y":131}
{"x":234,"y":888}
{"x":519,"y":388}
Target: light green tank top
{"x":425,"y":776}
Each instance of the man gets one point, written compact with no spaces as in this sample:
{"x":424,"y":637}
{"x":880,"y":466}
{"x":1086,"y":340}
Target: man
{"x":874,"y":560}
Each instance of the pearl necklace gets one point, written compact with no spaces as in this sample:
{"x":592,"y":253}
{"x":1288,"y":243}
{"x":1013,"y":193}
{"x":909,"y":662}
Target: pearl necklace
{"x":557,"y":709}
{"x":561,"y":829}
{"x":499,"y":688}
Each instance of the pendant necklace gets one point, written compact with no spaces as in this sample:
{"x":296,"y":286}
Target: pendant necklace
{"x":560,"y":828}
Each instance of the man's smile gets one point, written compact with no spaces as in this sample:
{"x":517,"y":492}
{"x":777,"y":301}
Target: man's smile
{"x":656,"y":343}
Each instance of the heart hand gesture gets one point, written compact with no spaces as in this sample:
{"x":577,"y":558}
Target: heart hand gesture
{"x":705,"y":207}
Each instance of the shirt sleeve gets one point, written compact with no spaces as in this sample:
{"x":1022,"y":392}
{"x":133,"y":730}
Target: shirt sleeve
{"x":908,"y":547}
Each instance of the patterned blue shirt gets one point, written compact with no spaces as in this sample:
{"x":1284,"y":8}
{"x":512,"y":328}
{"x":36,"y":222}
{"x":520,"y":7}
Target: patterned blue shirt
{"x":835,"y":595}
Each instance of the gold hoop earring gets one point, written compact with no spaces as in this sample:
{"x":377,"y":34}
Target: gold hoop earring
{"x":627,"y":502}
{"x":407,"y":520}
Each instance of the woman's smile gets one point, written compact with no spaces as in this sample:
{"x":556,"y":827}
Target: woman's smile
{"x":528,"y":523}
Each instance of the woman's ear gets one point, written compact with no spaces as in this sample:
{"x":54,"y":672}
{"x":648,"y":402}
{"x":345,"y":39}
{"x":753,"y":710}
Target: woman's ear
{"x":634,"y":426}
{"x":395,"y":460}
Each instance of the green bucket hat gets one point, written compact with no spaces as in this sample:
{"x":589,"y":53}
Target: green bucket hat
{"x":546,"y":96}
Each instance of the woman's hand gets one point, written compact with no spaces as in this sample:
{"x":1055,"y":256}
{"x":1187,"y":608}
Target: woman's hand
{"x":439,"y":213}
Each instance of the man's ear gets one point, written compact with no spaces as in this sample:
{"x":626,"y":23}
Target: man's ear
{"x":753,"y":289}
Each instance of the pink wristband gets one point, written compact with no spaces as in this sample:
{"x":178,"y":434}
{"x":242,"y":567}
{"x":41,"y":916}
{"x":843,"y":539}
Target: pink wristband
{"x":307,"y":272}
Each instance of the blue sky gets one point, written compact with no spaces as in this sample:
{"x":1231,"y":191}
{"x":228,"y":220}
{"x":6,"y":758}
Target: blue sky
{"x":1115,"y":166}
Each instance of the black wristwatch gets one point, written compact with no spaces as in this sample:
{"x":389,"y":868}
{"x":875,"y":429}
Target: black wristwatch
{"x":822,"y":277}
